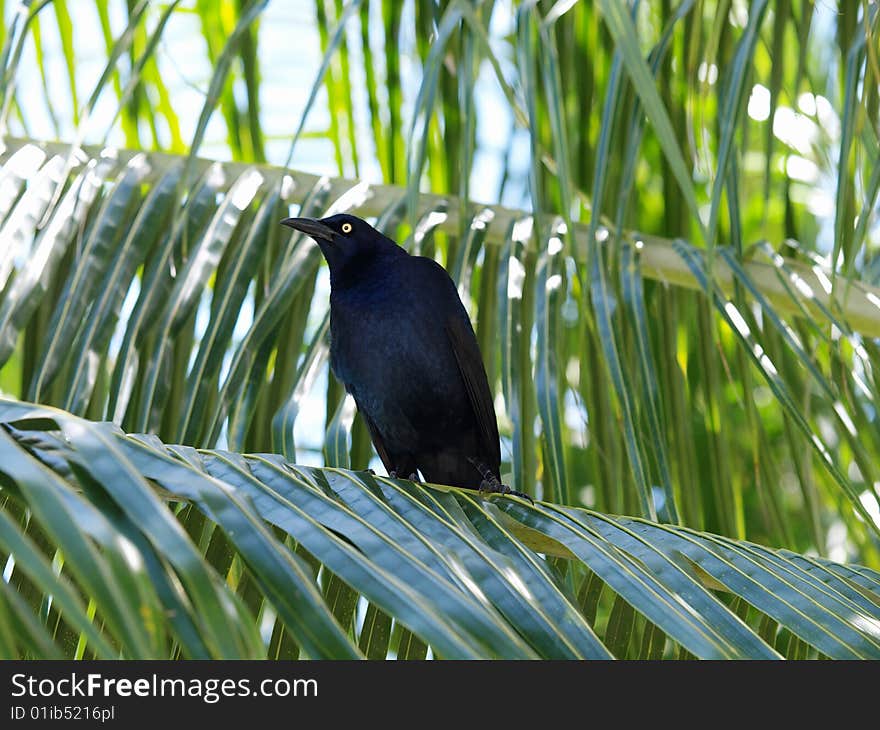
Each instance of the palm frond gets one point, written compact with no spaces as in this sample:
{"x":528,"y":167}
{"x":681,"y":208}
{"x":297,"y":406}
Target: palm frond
{"x":469,"y":577}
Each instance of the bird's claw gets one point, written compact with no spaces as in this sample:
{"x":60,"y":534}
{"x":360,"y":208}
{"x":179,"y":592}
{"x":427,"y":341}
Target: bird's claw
{"x":493,"y":486}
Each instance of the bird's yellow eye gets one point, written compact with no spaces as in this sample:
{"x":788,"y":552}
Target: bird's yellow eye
{"x":346,"y":227}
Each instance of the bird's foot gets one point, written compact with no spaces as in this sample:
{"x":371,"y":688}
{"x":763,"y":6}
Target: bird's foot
{"x":394,"y":475}
{"x":493,"y":485}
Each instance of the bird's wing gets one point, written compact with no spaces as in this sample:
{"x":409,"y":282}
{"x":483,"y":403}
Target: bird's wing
{"x":470,"y":364}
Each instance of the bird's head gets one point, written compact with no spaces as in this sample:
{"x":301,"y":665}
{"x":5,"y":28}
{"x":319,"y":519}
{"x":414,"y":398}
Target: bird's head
{"x":344,"y":239}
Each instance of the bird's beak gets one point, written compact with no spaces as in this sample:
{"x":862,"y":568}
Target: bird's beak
{"x":311,"y":227}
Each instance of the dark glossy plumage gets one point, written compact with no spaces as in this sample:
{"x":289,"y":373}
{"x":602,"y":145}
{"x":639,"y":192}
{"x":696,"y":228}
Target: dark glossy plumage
{"x":403,"y":346}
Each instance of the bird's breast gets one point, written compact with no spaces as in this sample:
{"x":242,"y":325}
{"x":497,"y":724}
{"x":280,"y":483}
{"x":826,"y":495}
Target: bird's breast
{"x":393,"y":353}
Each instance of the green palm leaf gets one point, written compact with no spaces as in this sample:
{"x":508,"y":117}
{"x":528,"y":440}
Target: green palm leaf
{"x":460,"y":572}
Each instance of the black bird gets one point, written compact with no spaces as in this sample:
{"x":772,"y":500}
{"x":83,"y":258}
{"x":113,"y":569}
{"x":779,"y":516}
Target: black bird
{"x":403,"y":346}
